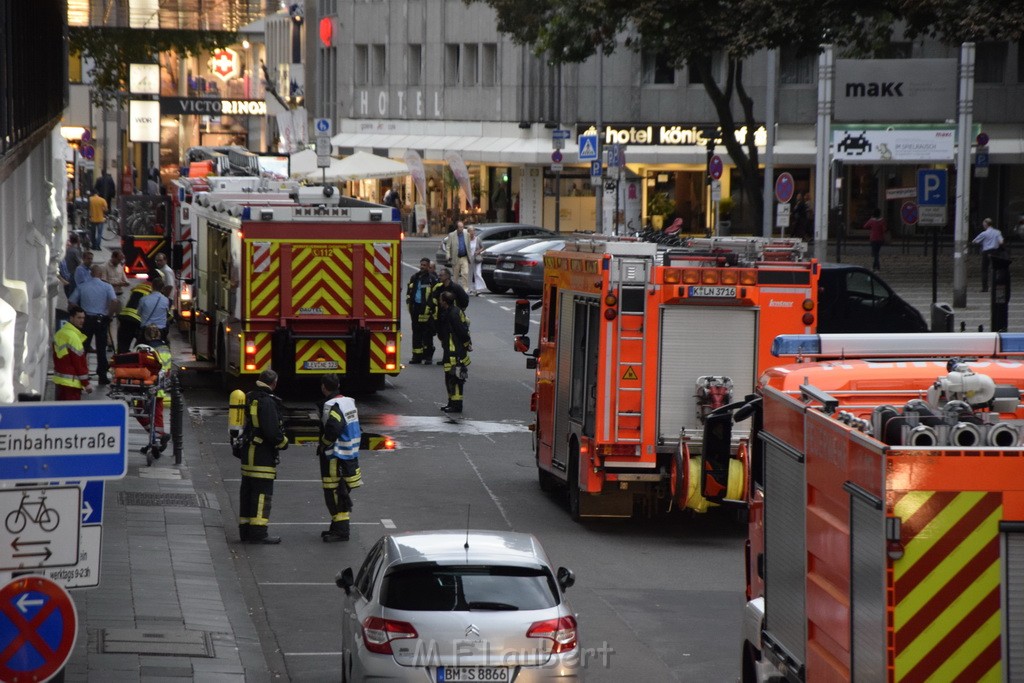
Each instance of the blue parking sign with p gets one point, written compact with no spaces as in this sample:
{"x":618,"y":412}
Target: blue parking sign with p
{"x":931,"y":187}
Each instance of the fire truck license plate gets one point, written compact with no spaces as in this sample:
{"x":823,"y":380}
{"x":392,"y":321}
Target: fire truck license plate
{"x":320,"y":365}
{"x":474,"y":673}
{"x":713,"y":291}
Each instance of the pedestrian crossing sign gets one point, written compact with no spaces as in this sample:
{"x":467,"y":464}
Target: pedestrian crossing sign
{"x":588,"y":147}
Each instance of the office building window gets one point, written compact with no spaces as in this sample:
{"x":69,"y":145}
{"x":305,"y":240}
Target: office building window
{"x":451,"y":64}
{"x":414,"y":64}
{"x":489,"y":64}
{"x":795,"y":68}
{"x":990,"y":62}
{"x":470,"y":64}
{"x":379,"y":65}
{"x":656,"y":69}
{"x":698,"y":65}
{"x":361,"y":65}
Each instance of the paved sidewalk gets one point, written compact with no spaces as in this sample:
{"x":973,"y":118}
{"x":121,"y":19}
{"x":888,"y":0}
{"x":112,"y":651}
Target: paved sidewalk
{"x":169,"y":606}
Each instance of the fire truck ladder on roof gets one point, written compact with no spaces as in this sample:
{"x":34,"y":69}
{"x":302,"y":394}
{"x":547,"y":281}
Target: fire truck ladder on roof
{"x":630,"y":276}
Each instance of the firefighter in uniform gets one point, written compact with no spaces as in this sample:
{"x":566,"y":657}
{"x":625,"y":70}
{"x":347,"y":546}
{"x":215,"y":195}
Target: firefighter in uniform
{"x":417,"y":298}
{"x":70,"y":370}
{"x":444,"y":284}
{"x":264,"y":436}
{"x":339,"y":456}
{"x":453,"y":329}
{"x":128,"y":319}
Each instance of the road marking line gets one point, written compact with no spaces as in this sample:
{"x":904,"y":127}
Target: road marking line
{"x":497,"y":503}
{"x":388,"y":524}
{"x":318,"y":523}
{"x":296,"y":583}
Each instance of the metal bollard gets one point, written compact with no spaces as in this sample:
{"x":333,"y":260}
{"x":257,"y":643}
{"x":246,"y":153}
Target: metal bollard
{"x":177,"y":412}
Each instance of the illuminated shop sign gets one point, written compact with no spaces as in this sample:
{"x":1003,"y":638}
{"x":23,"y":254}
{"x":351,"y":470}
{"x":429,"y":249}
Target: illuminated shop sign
{"x":177,"y":106}
{"x":669,"y":134}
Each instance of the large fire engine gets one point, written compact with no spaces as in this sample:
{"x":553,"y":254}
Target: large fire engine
{"x":184,"y":237}
{"x":887,"y":510}
{"x":638,"y":345}
{"x":306,"y":285}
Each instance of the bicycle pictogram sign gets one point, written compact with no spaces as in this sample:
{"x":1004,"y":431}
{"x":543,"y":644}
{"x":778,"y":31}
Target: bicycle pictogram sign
{"x":38,"y":627}
{"x":34,"y":511}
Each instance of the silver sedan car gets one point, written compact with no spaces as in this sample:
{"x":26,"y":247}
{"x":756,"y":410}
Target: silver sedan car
{"x":458,"y":606}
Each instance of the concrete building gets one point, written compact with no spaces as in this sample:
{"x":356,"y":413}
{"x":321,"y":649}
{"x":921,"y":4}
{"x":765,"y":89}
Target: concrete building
{"x":437,"y":77}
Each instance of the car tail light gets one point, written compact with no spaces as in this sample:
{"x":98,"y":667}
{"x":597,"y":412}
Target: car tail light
{"x":561,"y":632}
{"x":748,"y":277}
{"x":378,"y":633}
{"x":527,"y":263}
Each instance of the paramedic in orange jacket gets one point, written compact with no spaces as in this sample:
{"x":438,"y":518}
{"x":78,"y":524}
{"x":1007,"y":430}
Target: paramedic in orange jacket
{"x":70,"y":370}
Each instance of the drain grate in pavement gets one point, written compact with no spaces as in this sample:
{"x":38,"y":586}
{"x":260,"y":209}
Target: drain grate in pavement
{"x":180,"y":500}
{"x":149,"y":641}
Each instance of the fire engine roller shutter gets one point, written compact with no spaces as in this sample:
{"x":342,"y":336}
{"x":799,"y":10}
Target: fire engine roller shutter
{"x":785,"y":566}
{"x":1013,"y":599}
{"x":867,"y":586}
{"x":702,"y":340}
{"x":563,"y":381}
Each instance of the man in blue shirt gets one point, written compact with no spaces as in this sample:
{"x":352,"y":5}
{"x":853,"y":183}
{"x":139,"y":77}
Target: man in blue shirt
{"x":98,"y":300}
{"x":459,"y":254}
{"x":84,"y":270}
{"x":154,"y":307}
{"x":990,"y":240}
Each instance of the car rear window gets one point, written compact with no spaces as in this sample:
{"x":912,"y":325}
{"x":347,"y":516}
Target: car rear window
{"x":463,"y":588}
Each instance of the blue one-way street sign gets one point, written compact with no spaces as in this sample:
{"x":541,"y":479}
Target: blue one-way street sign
{"x":63,"y":440}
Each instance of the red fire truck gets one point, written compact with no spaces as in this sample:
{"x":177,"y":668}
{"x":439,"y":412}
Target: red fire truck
{"x":637,"y":346}
{"x":886,"y":535}
{"x":306,"y":288}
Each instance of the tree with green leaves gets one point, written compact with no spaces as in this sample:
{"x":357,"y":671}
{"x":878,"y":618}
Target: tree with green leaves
{"x":113,"y":49}
{"x":690,"y":32}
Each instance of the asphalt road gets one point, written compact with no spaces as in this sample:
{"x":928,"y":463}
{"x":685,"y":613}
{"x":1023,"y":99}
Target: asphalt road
{"x":657,"y":600}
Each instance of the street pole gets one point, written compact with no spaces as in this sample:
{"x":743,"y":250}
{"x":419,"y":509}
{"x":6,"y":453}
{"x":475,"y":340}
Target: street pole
{"x":769,"y":153}
{"x":963,"y":175}
{"x":599,"y":194}
{"x":822,"y":166}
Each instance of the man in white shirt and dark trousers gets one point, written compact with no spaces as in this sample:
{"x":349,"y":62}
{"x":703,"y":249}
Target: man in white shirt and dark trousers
{"x":990,"y":240}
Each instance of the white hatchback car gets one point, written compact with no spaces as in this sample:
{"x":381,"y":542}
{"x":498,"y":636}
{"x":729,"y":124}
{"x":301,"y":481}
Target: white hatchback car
{"x":458,"y":606}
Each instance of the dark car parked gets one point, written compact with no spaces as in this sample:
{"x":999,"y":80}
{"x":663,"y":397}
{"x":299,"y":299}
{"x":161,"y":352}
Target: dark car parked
{"x":488,"y":259}
{"x":523,"y":271}
{"x":854,"y":299}
{"x":492,"y":233}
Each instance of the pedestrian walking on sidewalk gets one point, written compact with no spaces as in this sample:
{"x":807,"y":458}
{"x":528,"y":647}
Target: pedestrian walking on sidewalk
{"x":264,"y":438}
{"x":990,"y":240}
{"x":339,"y":456}
{"x":877,"y":228}
{"x":70,"y":370}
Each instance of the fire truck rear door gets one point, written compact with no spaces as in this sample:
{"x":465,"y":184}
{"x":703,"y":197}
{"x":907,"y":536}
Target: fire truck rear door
{"x":699,"y":340}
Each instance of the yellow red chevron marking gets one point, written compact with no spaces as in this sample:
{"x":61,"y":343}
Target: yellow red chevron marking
{"x":317,"y":356}
{"x":322,"y":279}
{"x":378,"y":284}
{"x":946,"y":616}
{"x":265,"y":286}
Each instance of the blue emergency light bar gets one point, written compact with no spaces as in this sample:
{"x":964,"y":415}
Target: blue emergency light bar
{"x":903,"y":345}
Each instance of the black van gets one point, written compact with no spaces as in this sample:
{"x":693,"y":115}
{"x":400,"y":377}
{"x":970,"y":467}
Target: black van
{"x":854,"y":299}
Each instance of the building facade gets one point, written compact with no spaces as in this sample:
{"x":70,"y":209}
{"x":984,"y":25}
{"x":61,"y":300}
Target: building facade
{"x":436,"y":78}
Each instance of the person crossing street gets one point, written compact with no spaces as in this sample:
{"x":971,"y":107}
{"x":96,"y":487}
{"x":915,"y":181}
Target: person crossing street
{"x":264,"y":438}
{"x":417,"y":298}
{"x":338,"y":452}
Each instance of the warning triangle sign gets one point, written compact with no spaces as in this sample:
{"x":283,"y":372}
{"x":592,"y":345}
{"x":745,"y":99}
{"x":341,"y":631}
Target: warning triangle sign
{"x":588,"y":150}
{"x":629,"y":373}
{"x":139,"y":264}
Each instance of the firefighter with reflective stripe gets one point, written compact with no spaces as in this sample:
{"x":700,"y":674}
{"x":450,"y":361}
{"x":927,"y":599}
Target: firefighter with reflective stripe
{"x":339,"y":456}
{"x":445,"y":283}
{"x":264,"y":437}
{"x":70,"y":370}
{"x":453,"y":330}
{"x":417,"y":298}
{"x":128,"y":318}
{"x":158,"y":347}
